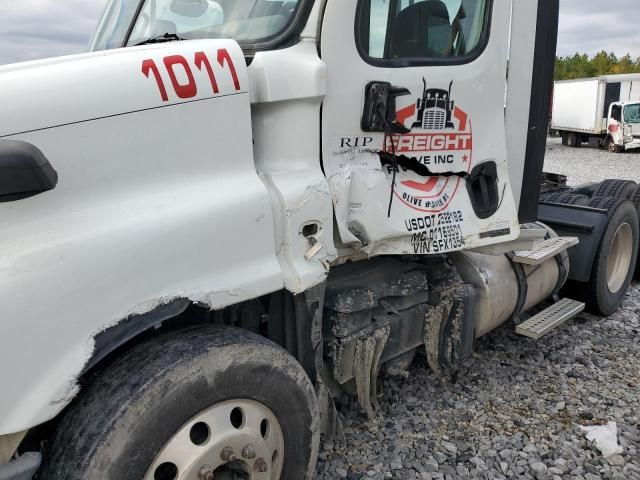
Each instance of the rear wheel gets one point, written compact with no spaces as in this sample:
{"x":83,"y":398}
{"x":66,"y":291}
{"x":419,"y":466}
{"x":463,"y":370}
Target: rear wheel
{"x":625,"y":189}
{"x":565,"y":198}
{"x":612,"y":270}
{"x":206,"y":403}
{"x":574,"y":140}
{"x":636,"y":202}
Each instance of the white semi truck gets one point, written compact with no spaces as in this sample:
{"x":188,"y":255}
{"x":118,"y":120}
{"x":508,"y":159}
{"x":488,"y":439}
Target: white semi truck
{"x":603,"y":110}
{"x":230,"y":212}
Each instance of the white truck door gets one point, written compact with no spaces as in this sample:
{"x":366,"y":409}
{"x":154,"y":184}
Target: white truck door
{"x":424,"y":79}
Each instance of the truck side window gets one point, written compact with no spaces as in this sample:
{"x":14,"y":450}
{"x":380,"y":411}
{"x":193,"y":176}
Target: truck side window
{"x":420,"y":29}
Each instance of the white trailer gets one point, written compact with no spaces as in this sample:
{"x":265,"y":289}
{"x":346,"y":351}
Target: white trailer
{"x":603,"y":110}
{"x":226,"y":215}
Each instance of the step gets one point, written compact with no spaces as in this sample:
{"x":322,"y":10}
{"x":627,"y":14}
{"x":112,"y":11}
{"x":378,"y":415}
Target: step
{"x":544,"y":250}
{"x":550,"y":318}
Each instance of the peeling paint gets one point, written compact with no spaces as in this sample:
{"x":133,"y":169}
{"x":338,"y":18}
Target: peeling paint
{"x":309,"y":195}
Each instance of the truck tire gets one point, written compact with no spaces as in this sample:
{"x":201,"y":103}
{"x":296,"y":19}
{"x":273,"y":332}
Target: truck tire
{"x":605,"y":203}
{"x":636,"y":202}
{"x":565,"y":198}
{"x":625,"y":189}
{"x":611,"y":146}
{"x":565,"y":138}
{"x":189,"y":403}
{"x":574,"y":140}
{"x":618,"y":250}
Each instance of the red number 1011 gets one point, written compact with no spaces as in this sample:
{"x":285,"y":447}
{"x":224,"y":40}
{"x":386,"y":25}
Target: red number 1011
{"x":190,"y":88}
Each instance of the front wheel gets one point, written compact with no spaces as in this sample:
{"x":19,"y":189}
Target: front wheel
{"x":612,"y":147}
{"x":207,"y":403}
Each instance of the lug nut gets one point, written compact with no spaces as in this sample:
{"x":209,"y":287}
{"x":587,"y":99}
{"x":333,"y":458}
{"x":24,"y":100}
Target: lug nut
{"x":248,"y":452}
{"x":227,"y":455}
{"x":206,"y":473}
{"x":260,"y":466}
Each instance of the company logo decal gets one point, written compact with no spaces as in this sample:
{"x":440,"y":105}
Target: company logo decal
{"x":441,"y":138}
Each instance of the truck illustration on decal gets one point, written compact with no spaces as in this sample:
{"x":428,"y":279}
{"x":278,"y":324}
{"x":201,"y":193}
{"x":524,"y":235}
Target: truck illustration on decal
{"x":435,"y":109}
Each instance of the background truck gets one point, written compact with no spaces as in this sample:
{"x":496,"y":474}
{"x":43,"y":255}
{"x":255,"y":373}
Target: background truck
{"x":603,"y":110}
{"x":230,"y":212}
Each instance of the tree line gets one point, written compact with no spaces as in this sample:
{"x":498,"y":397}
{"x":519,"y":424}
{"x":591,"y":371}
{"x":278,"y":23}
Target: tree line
{"x":603,"y":63}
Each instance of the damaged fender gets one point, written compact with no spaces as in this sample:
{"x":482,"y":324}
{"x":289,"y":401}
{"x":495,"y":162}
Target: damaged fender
{"x":158,"y":199}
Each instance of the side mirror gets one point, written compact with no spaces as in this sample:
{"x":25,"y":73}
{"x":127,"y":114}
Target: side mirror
{"x":379,"y":113}
{"x":24,"y":171}
{"x":189,"y":8}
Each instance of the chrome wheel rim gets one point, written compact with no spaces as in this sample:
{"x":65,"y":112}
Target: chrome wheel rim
{"x":235,"y":439}
{"x":619,"y":260}
{"x":612,"y":146}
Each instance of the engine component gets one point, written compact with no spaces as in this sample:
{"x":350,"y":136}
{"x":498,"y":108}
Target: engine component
{"x":378,"y":312}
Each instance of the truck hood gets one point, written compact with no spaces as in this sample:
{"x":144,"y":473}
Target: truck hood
{"x":65,"y":90}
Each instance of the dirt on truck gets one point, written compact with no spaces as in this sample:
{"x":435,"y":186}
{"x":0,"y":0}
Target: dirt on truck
{"x":231,"y":212}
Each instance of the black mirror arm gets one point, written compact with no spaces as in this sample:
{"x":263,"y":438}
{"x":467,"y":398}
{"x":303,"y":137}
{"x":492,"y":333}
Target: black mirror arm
{"x":380,"y":108}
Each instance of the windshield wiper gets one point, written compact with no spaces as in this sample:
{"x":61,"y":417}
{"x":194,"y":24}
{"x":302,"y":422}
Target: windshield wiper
{"x":165,"y":37}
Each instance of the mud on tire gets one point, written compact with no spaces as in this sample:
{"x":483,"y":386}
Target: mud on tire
{"x":636,"y":202}
{"x":617,"y":253}
{"x":116,"y":428}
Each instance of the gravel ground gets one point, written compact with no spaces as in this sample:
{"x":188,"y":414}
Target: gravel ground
{"x":516,"y":407}
{"x":589,"y":164}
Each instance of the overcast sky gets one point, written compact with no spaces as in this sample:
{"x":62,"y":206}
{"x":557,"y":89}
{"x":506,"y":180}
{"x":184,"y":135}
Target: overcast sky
{"x":31,"y":29}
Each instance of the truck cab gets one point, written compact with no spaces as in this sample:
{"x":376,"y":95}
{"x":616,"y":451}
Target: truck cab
{"x":230,"y":212}
{"x":600,"y":110}
{"x":623,"y":125}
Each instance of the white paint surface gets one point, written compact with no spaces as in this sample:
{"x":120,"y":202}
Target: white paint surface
{"x":160,"y":200}
{"x":361,"y":186}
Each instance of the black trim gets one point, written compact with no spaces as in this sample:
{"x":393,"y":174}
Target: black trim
{"x":123,"y":113}
{"x":287,"y":37}
{"x":133,"y":23}
{"x":482,"y":187}
{"x":114,"y":337}
{"x":541,"y":90}
{"x":612,"y":93}
{"x":588,"y":224}
{"x":523,"y":287}
{"x":24,"y":171}
{"x":417,"y":62}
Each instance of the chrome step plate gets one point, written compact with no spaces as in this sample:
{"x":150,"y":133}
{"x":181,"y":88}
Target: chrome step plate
{"x":544,"y":250}
{"x":548,"y":319}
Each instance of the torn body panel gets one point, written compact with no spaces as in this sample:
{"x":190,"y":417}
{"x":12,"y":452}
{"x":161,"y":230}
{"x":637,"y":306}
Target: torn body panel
{"x":452,"y":159}
{"x":287,"y":89}
{"x":418,"y":224}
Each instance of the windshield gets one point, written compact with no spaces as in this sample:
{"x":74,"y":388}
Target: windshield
{"x":632,"y":113}
{"x":248,"y":21}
